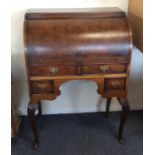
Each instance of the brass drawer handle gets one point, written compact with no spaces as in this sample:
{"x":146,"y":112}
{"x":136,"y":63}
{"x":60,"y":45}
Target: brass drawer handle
{"x":104,"y":68}
{"x":53,"y":70}
{"x":115,"y":84}
{"x":42,"y":87}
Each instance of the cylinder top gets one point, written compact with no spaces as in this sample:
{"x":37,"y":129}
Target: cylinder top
{"x":51,"y":34}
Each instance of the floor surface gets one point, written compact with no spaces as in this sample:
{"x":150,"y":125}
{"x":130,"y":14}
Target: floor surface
{"x":82,"y":134}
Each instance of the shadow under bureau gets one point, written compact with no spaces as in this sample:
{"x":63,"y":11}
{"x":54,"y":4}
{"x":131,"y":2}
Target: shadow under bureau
{"x":76,"y":44}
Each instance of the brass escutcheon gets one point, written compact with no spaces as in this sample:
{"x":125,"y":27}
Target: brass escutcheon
{"x":104,"y":68}
{"x":53,"y":70}
{"x":115,"y":84}
{"x":42,"y":86}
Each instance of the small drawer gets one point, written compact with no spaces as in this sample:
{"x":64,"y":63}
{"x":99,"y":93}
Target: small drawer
{"x":104,"y":68}
{"x":114,"y":84}
{"x":53,"y":70}
{"x":38,"y":87}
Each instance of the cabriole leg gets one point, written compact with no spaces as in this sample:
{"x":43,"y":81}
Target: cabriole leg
{"x":125,"y":109}
{"x":107,"y":107}
{"x":39,"y":109}
{"x":31,"y":114}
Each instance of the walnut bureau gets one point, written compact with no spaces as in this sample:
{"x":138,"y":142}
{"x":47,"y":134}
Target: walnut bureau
{"x":76,"y":44}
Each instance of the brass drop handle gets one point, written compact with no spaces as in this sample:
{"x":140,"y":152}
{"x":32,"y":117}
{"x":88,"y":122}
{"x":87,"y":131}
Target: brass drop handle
{"x":53,"y":70}
{"x":42,"y":86}
{"x":104,"y":68}
{"x":115,"y":84}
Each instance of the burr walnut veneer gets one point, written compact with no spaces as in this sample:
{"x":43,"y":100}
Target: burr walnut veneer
{"x":77,"y":44}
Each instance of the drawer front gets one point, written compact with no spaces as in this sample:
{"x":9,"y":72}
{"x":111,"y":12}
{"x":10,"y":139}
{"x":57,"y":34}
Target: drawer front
{"x":52,"y":70}
{"x":114,"y":84}
{"x":38,"y":87}
{"x":105,"y":68}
